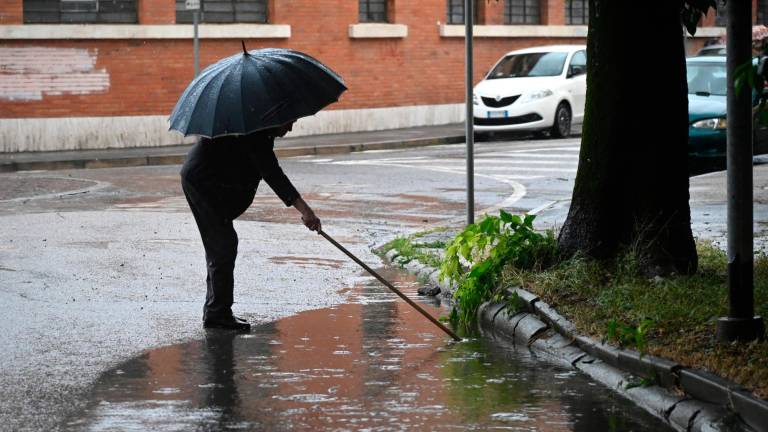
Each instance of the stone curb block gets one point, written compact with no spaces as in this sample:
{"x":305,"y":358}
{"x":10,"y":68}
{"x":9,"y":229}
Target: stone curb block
{"x":615,"y":368}
{"x":754,"y":412}
{"x":707,"y":387}
{"x":391,"y":254}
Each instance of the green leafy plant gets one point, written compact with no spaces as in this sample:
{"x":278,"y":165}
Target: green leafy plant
{"x":642,"y":382}
{"x":476,"y":256}
{"x":630,"y":336}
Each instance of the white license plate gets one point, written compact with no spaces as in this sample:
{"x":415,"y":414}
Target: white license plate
{"x":497,"y":114}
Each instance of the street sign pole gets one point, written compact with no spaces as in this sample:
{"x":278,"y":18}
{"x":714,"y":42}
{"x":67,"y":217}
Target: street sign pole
{"x":470,"y":133}
{"x":196,"y":19}
{"x":741,"y":323}
{"x":194,"y":6}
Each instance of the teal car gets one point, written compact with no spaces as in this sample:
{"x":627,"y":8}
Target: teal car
{"x":707,"y":123}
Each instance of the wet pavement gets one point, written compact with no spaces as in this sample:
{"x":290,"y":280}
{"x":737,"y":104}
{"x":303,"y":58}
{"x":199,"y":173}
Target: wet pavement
{"x":98,"y":266}
{"x":369,"y":364}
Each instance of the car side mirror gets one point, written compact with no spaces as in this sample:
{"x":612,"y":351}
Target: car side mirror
{"x":575,"y":70}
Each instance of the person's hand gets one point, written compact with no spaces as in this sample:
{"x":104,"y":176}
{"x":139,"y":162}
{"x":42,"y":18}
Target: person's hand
{"x":308,"y":216}
{"x":311,"y":221}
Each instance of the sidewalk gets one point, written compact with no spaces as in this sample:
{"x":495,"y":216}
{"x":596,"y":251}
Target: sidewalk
{"x":284,"y":147}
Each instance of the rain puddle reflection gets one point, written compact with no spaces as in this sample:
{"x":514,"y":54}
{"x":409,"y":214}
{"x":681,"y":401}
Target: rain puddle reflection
{"x":371,"y":364}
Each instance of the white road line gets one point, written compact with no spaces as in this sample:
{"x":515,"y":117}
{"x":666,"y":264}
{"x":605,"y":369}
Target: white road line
{"x":528,"y":155}
{"x":481,"y":162}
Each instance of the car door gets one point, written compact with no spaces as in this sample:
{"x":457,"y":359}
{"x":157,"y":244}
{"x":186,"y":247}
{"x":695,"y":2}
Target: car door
{"x":577,"y":77}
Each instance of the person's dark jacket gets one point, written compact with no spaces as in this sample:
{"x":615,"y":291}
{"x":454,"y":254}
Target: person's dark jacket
{"x":238,"y":161}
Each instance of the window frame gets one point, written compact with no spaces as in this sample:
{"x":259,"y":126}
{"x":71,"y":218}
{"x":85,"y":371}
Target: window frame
{"x":368,"y":18}
{"x":761,"y":14}
{"x":184,"y":16}
{"x":527,"y":19}
{"x":449,"y":16}
{"x":721,"y":15}
{"x":77,"y":12}
{"x":570,"y":19}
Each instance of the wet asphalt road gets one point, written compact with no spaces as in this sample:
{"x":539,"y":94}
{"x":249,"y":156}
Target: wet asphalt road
{"x":99,"y":266}
{"x":371,"y":363}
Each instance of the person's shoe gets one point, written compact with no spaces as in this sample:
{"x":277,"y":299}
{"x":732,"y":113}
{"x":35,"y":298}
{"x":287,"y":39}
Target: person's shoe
{"x":229,"y":323}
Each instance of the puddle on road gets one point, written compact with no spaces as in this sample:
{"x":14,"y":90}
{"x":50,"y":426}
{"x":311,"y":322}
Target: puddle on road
{"x":372,"y":364}
{"x":307,"y":261}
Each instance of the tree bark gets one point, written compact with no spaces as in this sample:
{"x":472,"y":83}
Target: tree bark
{"x":631,"y":190}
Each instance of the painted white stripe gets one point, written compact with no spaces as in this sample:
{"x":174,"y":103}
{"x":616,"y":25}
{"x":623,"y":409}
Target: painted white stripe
{"x":518,"y":190}
{"x":529,"y":155}
{"x":481,"y":162}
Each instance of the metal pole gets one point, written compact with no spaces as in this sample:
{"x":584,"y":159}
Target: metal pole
{"x":195,"y":21}
{"x":470,"y":133}
{"x":741,"y":324}
{"x":391,"y":287}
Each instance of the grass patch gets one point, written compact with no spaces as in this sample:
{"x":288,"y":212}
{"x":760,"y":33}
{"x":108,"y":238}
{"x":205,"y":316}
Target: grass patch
{"x":411,"y":250}
{"x":676,"y":314}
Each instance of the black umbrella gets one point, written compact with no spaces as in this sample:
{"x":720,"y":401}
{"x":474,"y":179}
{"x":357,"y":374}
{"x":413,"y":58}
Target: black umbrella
{"x":255,"y":90}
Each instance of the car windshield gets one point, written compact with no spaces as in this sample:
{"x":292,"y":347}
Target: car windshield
{"x":529,"y":65}
{"x":707,"y":79}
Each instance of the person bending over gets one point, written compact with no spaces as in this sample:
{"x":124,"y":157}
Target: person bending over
{"x":219,"y":179}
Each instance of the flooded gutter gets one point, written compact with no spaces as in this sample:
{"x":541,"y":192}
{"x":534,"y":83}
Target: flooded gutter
{"x":687,"y":399}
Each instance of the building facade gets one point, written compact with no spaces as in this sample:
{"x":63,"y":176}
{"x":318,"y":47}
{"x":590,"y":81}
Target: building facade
{"x":83,"y":74}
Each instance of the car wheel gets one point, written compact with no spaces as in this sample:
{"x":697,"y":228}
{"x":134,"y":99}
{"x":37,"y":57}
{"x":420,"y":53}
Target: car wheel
{"x":562,"y":126}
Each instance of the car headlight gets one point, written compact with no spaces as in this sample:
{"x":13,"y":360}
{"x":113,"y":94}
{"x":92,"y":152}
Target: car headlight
{"x":528,"y":97}
{"x":475,"y":100}
{"x":712,"y":123}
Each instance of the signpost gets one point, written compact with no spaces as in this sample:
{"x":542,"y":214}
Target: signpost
{"x":741,"y":322}
{"x":194,"y":6}
{"x":469,"y":126}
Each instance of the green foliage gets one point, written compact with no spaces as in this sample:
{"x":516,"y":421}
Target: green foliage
{"x":643,"y":382}
{"x":476,"y":256}
{"x":630,"y":336}
{"x":407,"y":248}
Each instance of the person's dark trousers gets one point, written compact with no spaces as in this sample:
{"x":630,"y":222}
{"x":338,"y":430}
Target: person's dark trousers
{"x":214,"y":207}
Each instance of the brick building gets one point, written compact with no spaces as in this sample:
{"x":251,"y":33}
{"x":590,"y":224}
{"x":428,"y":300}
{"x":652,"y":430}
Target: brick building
{"x":78,"y":74}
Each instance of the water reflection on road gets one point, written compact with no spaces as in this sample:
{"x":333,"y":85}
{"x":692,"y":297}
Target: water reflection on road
{"x":371,"y":364}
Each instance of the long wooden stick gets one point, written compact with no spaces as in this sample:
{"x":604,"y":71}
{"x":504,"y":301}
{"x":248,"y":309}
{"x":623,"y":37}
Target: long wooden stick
{"x":390,"y":286}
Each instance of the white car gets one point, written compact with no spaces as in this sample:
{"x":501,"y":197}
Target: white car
{"x":534,"y":89}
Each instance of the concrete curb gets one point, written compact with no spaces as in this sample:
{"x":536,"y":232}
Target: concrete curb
{"x":687,"y":399}
{"x":157,"y":156}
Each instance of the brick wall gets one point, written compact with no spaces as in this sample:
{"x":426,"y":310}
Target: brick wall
{"x":11,"y":11}
{"x":157,"y":11}
{"x":145,"y":77}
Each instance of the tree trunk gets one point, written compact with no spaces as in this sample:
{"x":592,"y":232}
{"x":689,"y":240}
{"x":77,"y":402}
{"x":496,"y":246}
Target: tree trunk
{"x":631,"y":190}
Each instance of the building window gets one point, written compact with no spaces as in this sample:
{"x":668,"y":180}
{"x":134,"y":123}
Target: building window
{"x":373,"y":11}
{"x":456,"y":11}
{"x":721,"y":18}
{"x":577,"y":12}
{"x":80,"y":12}
{"x":225,"y":11}
{"x":762,"y":12}
{"x":522,"y":12}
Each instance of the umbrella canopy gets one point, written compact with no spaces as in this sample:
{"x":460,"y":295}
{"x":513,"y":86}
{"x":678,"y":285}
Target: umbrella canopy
{"x":255,"y":90}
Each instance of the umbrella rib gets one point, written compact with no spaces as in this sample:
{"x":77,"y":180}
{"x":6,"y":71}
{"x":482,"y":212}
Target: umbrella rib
{"x":218,"y":98}
{"x":205,"y":88}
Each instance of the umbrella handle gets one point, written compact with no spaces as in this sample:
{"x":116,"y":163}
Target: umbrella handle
{"x":390,"y":286}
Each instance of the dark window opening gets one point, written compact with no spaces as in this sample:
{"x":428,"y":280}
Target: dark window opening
{"x":373,"y":11}
{"x":762,"y":12}
{"x":80,"y":12}
{"x":456,"y":11}
{"x":721,"y":17}
{"x":522,"y":12}
{"x":225,"y":11}
{"x":577,"y":12}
